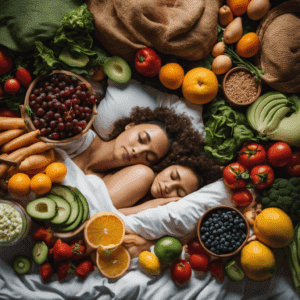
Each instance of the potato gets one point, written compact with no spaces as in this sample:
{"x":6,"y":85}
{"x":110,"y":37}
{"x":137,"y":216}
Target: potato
{"x":257,"y":9}
{"x":221,"y":64}
{"x":225,"y":16}
{"x":234,"y":31}
{"x":218,"y":49}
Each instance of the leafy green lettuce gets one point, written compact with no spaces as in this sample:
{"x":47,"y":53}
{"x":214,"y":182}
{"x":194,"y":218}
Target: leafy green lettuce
{"x":226,"y":131}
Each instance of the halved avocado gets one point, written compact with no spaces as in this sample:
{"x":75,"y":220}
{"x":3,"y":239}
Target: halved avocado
{"x":63,"y":209}
{"x":70,"y":196}
{"x":39,"y":252}
{"x":117,"y":69}
{"x":233,"y":271}
{"x":42,"y":208}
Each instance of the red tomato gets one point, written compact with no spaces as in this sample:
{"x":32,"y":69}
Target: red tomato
{"x":242,"y":197}
{"x":4,"y":112}
{"x":279,"y":154}
{"x":181,"y":271}
{"x":262,"y":176}
{"x":194,"y":247}
{"x":251,"y":155}
{"x":293,"y":167}
{"x":235,"y":176}
{"x":6,"y":62}
{"x":12,"y":86}
{"x":147,"y":62}
{"x":24,"y":77}
{"x":199,"y":262}
{"x":1,"y":92}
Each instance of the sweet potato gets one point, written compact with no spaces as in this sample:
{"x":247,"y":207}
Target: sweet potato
{"x":12,"y":123}
{"x":9,"y":135}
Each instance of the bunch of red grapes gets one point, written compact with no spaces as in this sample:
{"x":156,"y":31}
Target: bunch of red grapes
{"x":62,"y":106}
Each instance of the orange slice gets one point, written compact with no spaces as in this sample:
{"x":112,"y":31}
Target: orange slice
{"x":115,"y":264}
{"x":104,"y":231}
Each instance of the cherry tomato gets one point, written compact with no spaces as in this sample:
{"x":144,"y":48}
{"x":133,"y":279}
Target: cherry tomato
{"x":147,"y":62}
{"x":194,"y":247}
{"x":235,"y":176}
{"x":251,"y":155}
{"x":199,"y":262}
{"x":6,"y":62}
{"x":242,"y":197}
{"x":181,"y":271}
{"x":12,"y":86}
{"x":262,"y":176}
{"x":293,"y":167}
{"x":279,"y":154}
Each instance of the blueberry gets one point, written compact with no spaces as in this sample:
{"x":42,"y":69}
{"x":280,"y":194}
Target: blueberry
{"x":207,"y":244}
{"x":235,"y":221}
{"x":217,"y":252}
{"x":218,"y":247}
{"x":238,"y":244}
{"x":217,"y":238}
{"x":215,"y":220}
{"x":212,"y":237}
{"x":234,"y":213}
{"x":226,"y":243}
{"x":241,"y":232}
{"x":206,"y":224}
{"x":207,"y":234}
{"x":209,"y":241}
{"x":226,"y":223}
{"x":220,"y":231}
{"x":231,"y":224}
{"x":234,"y":230}
{"x":203,"y":238}
{"x":219,"y":212}
{"x":241,"y":226}
{"x":211,"y":228}
{"x":214,"y":232}
{"x":229,"y":213}
{"x":244,"y":236}
{"x":223,"y":228}
{"x":202,"y":230}
{"x":225,"y":217}
{"x":212,"y":249}
{"x":222,"y":240}
{"x":230,"y":249}
{"x":217,"y":226}
{"x":225,"y":249}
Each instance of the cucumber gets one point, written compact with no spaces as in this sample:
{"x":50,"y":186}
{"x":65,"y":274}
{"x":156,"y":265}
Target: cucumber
{"x":42,"y":208}
{"x":63,"y":209}
{"x":75,"y":224}
{"x":83,"y":201}
{"x":269,"y":106}
{"x":21,"y":264}
{"x":39,"y":252}
{"x":70,"y":196}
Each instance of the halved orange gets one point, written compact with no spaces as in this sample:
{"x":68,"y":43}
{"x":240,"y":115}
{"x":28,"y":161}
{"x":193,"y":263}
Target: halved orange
{"x":105,"y":231}
{"x":115,"y":264}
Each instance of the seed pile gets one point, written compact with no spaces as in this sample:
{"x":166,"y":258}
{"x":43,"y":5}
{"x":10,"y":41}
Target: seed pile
{"x":223,"y":231}
{"x":241,"y":87}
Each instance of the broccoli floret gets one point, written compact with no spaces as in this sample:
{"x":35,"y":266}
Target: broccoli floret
{"x":285,"y":194}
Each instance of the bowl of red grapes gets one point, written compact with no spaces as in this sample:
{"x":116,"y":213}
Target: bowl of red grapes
{"x":61,"y":105}
{"x":223,"y":231}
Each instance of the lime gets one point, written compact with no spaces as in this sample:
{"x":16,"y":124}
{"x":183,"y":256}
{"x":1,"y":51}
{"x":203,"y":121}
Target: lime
{"x":168,"y":249}
{"x":233,"y":271}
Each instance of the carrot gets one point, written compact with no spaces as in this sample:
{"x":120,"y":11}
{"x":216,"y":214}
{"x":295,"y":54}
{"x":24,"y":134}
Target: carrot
{"x":225,"y":15}
{"x":21,"y":141}
{"x":9,"y":135}
{"x":37,"y":161}
{"x":20,"y":154}
{"x":12,"y":123}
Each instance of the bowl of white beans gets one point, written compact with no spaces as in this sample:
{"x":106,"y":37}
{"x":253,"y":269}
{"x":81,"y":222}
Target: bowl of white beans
{"x":14,"y":223}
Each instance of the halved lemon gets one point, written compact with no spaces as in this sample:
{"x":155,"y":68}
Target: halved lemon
{"x":104,"y":231}
{"x":115,"y":264}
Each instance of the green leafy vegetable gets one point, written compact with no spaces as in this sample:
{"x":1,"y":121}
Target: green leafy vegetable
{"x":226,"y":131}
{"x":28,"y":111}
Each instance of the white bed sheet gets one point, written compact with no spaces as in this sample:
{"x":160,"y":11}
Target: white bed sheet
{"x":174,"y":219}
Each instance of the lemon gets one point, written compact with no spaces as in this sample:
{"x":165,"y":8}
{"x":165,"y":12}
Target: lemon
{"x":273,"y":227}
{"x":149,"y":262}
{"x":258,"y":261}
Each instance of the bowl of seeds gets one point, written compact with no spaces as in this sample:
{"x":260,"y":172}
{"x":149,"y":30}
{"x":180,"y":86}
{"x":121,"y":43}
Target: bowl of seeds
{"x":240,"y":87}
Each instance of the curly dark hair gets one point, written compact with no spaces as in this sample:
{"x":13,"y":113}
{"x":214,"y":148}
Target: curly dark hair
{"x":187,"y":148}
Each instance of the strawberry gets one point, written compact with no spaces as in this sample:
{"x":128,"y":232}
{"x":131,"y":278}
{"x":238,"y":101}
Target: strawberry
{"x":216,"y":269}
{"x":83,"y":269}
{"x":46,"y":271}
{"x":43,"y":234}
{"x":12,"y":86}
{"x":61,"y":251}
{"x":78,"y":249}
{"x":24,"y":76}
{"x":64,"y":269}
{"x":6,"y":62}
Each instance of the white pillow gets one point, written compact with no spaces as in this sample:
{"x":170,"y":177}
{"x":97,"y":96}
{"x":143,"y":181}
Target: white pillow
{"x":121,"y":98}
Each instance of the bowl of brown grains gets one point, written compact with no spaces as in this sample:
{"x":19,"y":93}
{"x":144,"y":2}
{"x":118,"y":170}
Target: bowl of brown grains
{"x":240,"y":87}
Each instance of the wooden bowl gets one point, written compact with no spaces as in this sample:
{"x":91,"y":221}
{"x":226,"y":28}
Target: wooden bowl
{"x":231,"y":101}
{"x":203,"y":219}
{"x":29,"y":123}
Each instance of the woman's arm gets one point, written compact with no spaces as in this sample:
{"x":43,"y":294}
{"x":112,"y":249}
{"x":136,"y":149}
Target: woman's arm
{"x":146,"y":205}
{"x":129,"y":185}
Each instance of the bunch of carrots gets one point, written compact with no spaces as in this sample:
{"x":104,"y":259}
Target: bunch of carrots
{"x":17,"y":145}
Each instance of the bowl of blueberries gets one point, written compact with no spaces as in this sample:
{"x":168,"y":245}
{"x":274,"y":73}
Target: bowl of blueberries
{"x":223,"y":231}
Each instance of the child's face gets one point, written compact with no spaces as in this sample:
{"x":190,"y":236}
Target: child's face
{"x":174,"y":181}
{"x":141,"y":144}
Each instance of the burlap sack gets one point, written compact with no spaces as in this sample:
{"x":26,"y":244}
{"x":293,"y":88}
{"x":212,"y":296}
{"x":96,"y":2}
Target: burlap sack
{"x":279,"y":57}
{"x":186,"y":28}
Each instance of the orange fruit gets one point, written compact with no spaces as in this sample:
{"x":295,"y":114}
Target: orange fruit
{"x":171,"y":75}
{"x":57,"y":171}
{"x":104,"y":231}
{"x":40,"y":184}
{"x":114,"y":264}
{"x":19,"y":185}
{"x":248,"y":45}
{"x":200,"y":85}
{"x":238,"y":7}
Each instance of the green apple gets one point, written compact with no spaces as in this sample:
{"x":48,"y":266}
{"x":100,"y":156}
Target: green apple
{"x":117,"y":69}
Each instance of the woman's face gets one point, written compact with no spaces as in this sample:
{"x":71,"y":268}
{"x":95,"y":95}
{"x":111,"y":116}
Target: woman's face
{"x":141,"y":144}
{"x":174,"y":181}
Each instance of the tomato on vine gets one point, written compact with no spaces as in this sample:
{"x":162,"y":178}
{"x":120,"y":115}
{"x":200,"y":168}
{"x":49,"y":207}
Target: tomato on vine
{"x":262,"y":176}
{"x":252,"y":154}
{"x":235,"y":176}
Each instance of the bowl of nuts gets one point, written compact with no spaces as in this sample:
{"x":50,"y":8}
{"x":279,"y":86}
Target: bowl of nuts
{"x":61,"y":105}
{"x":223,"y":231}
